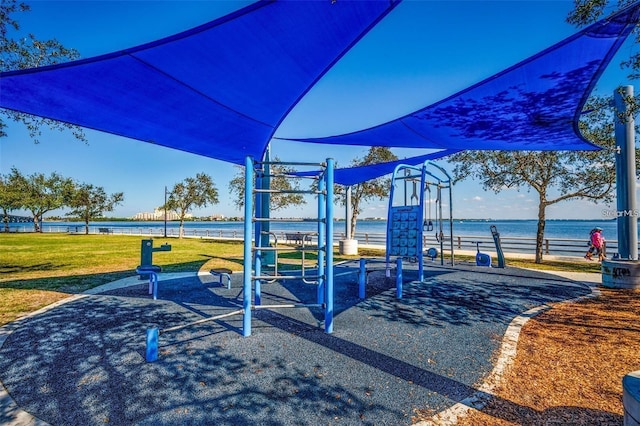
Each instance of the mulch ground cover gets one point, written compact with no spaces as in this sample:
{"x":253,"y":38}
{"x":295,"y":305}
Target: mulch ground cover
{"x":569,"y":365}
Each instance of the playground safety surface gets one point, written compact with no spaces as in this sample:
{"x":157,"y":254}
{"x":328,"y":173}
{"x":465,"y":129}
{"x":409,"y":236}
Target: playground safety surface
{"x":83,"y":362}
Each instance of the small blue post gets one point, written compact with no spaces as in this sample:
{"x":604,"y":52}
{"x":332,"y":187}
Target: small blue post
{"x":154,"y":284}
{"x":248,"y":209}
{"x":152,"y":345}
{"x":322,"y":209}
{"x":362,"y":278}
{"x":399,"y":278}
{"x":328,"y":315}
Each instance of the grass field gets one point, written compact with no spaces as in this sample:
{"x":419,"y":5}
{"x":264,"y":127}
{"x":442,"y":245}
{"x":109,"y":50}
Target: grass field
{"x":39,"y":269}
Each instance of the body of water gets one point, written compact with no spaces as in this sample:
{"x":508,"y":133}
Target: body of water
{"x":555,"y":229}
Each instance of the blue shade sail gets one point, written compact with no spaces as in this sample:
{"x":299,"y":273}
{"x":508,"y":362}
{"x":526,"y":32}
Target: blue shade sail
{"x":353,"y":175}
{"x":534,"y":105}
{"x":219,"y":90}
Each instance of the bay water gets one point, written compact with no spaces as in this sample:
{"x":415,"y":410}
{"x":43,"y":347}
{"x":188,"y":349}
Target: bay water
{"x":554,"y":229}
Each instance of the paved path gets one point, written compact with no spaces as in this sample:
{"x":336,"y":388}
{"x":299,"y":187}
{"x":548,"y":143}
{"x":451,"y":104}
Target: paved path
{"x":82,"y":362}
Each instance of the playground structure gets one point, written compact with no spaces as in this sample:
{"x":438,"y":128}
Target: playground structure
{"x":262,"y":252}
{"x":409,"y":214}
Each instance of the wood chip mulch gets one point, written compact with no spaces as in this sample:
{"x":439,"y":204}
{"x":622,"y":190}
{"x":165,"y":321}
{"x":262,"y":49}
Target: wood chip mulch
{"x":569,"y":365}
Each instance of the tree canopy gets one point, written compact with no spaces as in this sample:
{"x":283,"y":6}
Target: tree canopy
{"x":278,"y":182}
{"x":10,"y":197}
{"x":20,"y":51}
{"x":193,"y":192}
{"x":88,"y":202}
{"x":40,"y":194}
{"x":369,"y":190}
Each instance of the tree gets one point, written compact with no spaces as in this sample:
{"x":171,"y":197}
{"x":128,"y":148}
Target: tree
{"x":40,"y":194}
{"x":89,"y":202}
{"x":279,"y":182}
{"x":28,"y":52}
{"x":372,"y":189}
{"x":587,"y":12}
{"x":190,"y":193}
{"x":10,"y":198}
{"x":571,"y":174}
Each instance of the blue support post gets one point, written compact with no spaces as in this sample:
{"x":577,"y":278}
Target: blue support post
{"x":362,"y":278}
{"x":322,"y":209}
{"x":248,"y":209}
{"x":152,"y":345}
{"x":399,"y":278}
{"x":423,"y":180}
{"x":259,"y":179}
{"x":328,"y":316}
{"x":268,"y":257}
{"x":153,"y":278}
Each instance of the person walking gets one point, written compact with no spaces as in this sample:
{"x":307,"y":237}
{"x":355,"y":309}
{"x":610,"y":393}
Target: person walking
{"x":596,"y":245}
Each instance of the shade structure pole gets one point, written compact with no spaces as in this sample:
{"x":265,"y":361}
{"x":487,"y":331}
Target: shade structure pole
{"x":328,"y":313}
{"x":248,"y":209}
{"x":626,"y":175}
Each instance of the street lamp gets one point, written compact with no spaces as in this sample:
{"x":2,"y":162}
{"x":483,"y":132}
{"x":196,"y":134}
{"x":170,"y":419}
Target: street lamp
{"x":165,"y":211}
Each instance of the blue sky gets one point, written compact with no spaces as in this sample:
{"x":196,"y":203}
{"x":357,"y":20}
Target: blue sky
{"x":420,"y":53}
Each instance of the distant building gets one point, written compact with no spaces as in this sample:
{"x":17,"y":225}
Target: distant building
{"x":158,"y":214}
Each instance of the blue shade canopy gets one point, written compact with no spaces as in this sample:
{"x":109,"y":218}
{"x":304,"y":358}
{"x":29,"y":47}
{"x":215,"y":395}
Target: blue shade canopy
{"x":353,"y":175}
{"x":219,"y":90}
{"x":534,"y":105}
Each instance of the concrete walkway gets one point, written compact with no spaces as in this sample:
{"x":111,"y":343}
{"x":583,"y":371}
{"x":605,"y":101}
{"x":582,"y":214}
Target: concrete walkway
{"x":82,"y":362}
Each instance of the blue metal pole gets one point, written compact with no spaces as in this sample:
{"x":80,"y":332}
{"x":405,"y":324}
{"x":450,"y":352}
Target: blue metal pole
{"x":626,"y":177}
{"x":259,"y":179}
{"x":268,"y":256}
{"x":387,"y":255}
{"x":348,"y":212}
{"x":322,"y":209}
{"x":362,"y":278}
{"x":154,"y":280}
{"x":328,"y":316}
{"x":399,"y":278}
{"x":420,"y":244}
{"x":248,"y":209}
{"x":152,"y":345}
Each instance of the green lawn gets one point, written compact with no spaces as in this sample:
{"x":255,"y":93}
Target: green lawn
{"x":39,"y":269}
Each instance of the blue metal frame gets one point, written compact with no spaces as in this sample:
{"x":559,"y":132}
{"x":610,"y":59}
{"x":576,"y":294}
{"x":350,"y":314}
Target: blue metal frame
{"x":328,"y":313}
{"x":405,"y":172}
{"x":253,"y":266}
{"x":248,"y":208}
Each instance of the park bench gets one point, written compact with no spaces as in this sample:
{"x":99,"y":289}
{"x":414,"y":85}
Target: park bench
{"x":105,"y":230}
{"x":297,"y":238}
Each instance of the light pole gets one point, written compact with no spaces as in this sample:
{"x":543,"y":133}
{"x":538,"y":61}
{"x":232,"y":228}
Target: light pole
{"x":165,"y":211}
